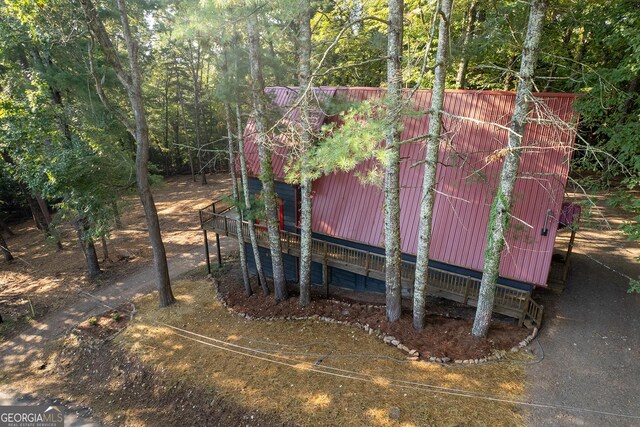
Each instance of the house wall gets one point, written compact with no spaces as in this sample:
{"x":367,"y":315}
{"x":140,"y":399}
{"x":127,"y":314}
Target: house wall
{"x":289,"y":196}
{"x":337,"y":277}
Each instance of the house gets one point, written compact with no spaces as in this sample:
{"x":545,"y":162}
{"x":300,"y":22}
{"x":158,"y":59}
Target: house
{"x":349,"y":214}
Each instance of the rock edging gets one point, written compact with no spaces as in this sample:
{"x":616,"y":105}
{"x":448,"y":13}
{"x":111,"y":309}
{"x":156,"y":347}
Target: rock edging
{"x":390,"y":340}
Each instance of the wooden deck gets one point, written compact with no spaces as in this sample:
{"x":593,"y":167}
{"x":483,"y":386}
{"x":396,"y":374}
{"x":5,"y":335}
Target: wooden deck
{"x":219,"y":218}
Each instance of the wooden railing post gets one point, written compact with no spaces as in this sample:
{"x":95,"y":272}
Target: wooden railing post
{"x":206,"y":251}
{"x":466,"y":290}
{"x":325,"y":271}
{"x":524,"y":311}
{"x":366,"y":264}
{"x":218,"y":249}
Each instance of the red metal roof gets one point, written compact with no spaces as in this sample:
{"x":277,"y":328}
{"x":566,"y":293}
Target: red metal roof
{"x":282,"y":116}
{"x":344,"y":207}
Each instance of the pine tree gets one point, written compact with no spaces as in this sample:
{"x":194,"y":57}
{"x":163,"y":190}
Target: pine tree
{"x":266,"y":166}
{"x":501,"y":208}
{"x":392,"y":247}
{"x":430,"y":167}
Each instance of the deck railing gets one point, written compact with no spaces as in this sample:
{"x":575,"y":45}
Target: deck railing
{"x":465,"y":289}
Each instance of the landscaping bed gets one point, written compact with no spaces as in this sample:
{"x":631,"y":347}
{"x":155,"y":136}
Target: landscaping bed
{"x":447,"y":334}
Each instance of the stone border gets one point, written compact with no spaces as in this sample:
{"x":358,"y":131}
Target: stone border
{"x":390,"y":340}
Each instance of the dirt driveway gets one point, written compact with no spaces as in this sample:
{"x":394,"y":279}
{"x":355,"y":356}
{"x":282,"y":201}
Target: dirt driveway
{"x":590,"y":339}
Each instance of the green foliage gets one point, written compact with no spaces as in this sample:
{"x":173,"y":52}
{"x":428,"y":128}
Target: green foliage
{"x":634,"y":286}
{"x":629,"y":200}
{"x":342,"y":146}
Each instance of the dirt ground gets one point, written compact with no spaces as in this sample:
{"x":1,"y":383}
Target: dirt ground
{"x":447,"y":334}
{"x":42,"y":280}
{"x":306,"y":372}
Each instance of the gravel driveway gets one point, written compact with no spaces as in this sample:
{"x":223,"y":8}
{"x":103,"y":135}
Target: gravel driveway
{"x":590,"y":340}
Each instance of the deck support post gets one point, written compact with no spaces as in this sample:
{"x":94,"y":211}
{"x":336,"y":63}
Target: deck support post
{"x":325,"y":278}
{"x":206,"y":251}
{"x":565,"y":271}
{"x":218,"y":249}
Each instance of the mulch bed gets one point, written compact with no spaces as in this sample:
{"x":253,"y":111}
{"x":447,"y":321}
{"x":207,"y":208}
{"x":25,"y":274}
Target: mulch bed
{"x":447,"y":334}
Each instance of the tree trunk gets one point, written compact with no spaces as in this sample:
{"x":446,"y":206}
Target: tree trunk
{"x":234,"y":184}
{"x":305,"y":146}
{"x":163,"y":282}
{"x":566,"y":40}
{"x":5,"y":249}
{"x":116,"y":214}
{"x":105,"y":248}
{"x":88,"y":248}
{"x":45,"y":217}
{"x":392,"y":163}
{"x":133,"y":85}
{"x":266,"y":167}
{"x":195,"y":64}
{"x":501,"y":208}
{"x":430,"y":167}
{"x":509,"y":74}
{"x":4,"y":227}
{"x":165,"y":104}
{"x":36,"y":213}
{"x":184,"y":126}
{"x":244,"y":178}
{"x":461,"y":78}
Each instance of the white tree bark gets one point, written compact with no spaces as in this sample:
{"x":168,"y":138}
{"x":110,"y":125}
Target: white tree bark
{"x":234,"y":185}
{"x":392,"y":162}
{"x":266,"y":167}
{"x":305,"y":145}
{"x":430,"y":167}
{"x":501,"y":208}
{"x":244,"y":178}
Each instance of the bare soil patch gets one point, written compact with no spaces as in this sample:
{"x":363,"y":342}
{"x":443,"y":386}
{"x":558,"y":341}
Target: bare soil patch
{"x":127,"y":392}
{"x":42,"y":280}
{"x":447,"y":334}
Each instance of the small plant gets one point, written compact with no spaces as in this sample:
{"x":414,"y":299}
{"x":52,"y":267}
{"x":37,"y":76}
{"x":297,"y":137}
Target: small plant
{"x":116,"y":316}
{"x":93,"y":321}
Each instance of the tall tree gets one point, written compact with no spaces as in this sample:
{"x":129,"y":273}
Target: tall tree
{"x":463,"y":65}
{"x":265,"y":153}
{"x":392,"y":162}
{"x":501,"y":207}
{"x":234,"y":179}
{"x":244,"y":175}
{"x":132,"y":83}
{"x":304,"y":79}
{"x":87,"y":245}
{"x":430,"y":167}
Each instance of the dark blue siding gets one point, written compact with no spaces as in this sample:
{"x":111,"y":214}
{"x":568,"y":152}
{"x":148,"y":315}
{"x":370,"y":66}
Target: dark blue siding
{"x":288,"y":194}
{"x":290,"y":263}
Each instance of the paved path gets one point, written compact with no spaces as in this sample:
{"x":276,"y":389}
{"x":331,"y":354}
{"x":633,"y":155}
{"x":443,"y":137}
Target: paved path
{"x":591,"y":344}
{"x":31,"y":342}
